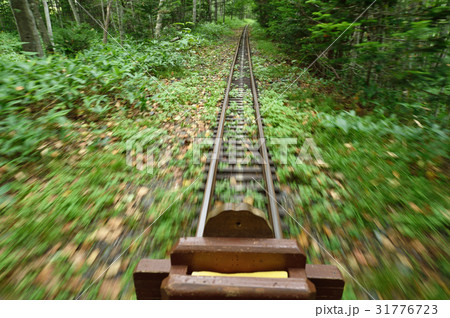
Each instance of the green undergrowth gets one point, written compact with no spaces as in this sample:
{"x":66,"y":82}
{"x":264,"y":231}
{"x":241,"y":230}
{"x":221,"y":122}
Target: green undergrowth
{"x":10,"y":46}
{"x":71,"y":203}
{"x":370,"y":190}
{"x":236,"y":24}
{"x":70,"y":200}
{"x":213,"y":31}
{"x":36,"y":94}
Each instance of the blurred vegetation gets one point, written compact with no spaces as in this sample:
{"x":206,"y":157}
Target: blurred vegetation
{"x":376,"y":198}
{"x":10,"y":46}
{"x":64,"y":123}
{"x":73,"y":39}
{"x":393,"y":59}
{"x":375,"y":104}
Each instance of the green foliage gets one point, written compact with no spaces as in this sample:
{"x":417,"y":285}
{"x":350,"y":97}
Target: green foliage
{"x":64,"y":121}
{"x":64,"y":124}
{"x":20,"y":137}
{"x":398,"y":65}
{"x":212,"y":31}
{"x":237,"y":23}
{"x":74,"y":38}
{"x":37,"y":96}
{"x":380,"y":180}
{"x":10,"y":46}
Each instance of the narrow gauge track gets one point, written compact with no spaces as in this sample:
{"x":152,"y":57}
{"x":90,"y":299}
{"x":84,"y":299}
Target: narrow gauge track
{"x":238,"y":251}
{"x":240,"y":161}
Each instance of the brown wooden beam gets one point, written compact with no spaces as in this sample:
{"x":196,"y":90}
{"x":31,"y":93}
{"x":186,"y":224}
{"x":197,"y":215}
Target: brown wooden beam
{"x":235,"y":255}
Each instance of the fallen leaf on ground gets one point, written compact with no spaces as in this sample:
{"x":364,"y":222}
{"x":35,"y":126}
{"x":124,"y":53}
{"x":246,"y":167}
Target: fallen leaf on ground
{"x":335,"y":195}
{"x":387,"y":243}
{"x":109,"y":289}
{"x":249,"y":200}
{"x":78,"y":260}
{"x":113,"y":269}
{"x":142,"y":191}
{"x":93,"y":256}
{"x":415,"y":207}
{"x":20,"y":176}
{"x":349,"y":146}
{"x":391,"y":154}
{"x":114,"y":223}
{"x":418,"y":123}
{"x":45,"y":275}
{"x":321,"y":163}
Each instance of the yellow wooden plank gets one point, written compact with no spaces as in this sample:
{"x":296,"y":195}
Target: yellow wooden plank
{"x":273,"y":274}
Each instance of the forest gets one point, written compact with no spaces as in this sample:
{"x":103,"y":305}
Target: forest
{"x":367,"y":81}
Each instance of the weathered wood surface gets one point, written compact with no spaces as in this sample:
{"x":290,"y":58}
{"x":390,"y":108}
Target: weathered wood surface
{"x":327,"y":279}
{"x":236,"y":255}
{"x":231,"y":255}
{"x":237,"y":220}
{"x":148,"y":277}
{"x":207,"y":287}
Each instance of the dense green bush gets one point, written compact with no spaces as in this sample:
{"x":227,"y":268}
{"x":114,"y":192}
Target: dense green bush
{"x":74,"y":39}
{"x":10,"y":46}
{"x":37,"y":96}
{"x":237,"y":23}
{"x":398,"y":65}
{"x":212,"y":31}
{"x":100,"y":70}
{"x":20,"y":136}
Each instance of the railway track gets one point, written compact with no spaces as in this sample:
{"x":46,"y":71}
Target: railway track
{"x":239,"y":251}
{"x":240,"y":162}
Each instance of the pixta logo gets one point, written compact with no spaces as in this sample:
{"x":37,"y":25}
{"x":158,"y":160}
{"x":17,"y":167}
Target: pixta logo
{"x":245,"y":151}
{"x":147,"y":150}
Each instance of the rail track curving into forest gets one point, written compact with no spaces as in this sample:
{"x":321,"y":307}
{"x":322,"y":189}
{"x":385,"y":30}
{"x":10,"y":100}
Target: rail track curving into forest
{"x":239,"y":251}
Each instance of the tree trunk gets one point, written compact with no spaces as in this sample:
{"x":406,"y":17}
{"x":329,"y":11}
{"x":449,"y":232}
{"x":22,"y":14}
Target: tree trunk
{"x":183,"y":11}
{"x":34,"y":6}
{"x":223,"y":11}
{"x":112,"y":21}
{"x":209,"y":11}
{"x":159,"y":19}
{"x":194,"y":12}
{"x":232,"y":10}
{"x":48,"y":21}
{"x":151,"y":25}
{"x":26,"y":26}
{"x":120,"y":20}
{"x":369,"y":73}
{"x":74,"y":11}
{"x":103,"y":10}
{"x":106,"y":22}
{"x":215,"y":10}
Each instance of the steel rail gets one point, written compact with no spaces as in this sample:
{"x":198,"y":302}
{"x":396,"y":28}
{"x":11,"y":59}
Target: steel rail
{"x":172,"y":278}
{"x":274,"y":216}
{"x":211,"y":179}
